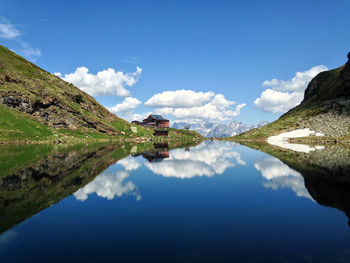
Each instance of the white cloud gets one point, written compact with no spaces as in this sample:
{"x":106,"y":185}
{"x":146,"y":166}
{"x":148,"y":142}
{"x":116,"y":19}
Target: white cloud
{"x":179,"y":99}
{"x":106,"y":82}
{"x":109,"y":185}
{"x":278,"y":101}
{"x":206,"y":159}
{"x":139,"y":117}
{"x":188,"y":104}
{"x":279,"y":175}
{"x":128,"y":104}
{"x":130,"y":163}
{"x":8,"y":30}
{"x":281,"y":95}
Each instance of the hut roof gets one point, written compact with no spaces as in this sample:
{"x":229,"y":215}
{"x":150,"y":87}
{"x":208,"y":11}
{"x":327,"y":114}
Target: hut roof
{"x":159,"y":117}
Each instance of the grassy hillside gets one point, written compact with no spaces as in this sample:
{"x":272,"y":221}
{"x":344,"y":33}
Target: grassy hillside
{"x":325,"y":108}
{"x":35,"y":105}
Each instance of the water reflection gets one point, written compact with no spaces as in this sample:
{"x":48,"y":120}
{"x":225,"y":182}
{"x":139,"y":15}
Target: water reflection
{"x":206,"y":159}
{"x":214,"y":219}
{"x":36,"y":177}
{"x":160,"y":151}
{"x":323,"y":176}
{"x":109,"y":185}
{"x":279,"y":175}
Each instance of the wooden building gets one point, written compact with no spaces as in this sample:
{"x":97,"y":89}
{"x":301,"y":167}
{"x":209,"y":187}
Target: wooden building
{"x":156,"y":121}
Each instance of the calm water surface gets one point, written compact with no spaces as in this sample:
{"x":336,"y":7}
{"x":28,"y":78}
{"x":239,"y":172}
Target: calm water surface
{"x":214,"y":202}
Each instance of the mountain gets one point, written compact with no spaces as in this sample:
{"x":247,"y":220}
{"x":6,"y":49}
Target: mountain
{"x":36,"y":105}
{"x":325,"y":108}
{"x":209,"y":129}
{"x":202,"y":127}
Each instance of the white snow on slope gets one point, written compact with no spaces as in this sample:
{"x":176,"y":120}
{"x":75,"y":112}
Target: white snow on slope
{"x":281,"y":140}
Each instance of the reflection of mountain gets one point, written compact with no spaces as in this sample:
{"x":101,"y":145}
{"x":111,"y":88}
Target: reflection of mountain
{"x":326,"y":173}
{"x":38,"y":185}
{"x":206,"y":159}
{"x":279,"y":175}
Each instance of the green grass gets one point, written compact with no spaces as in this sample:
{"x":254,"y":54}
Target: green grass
{"x":21,"y":79}
{"x":17,"y":126}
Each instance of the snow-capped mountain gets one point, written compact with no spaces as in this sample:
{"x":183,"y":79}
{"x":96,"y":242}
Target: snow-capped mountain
{"x":203,"y":127}
{"x":209,"y":129}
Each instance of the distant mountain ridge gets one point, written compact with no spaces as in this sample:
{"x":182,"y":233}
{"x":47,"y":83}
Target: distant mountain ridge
{"x":210,"y":129}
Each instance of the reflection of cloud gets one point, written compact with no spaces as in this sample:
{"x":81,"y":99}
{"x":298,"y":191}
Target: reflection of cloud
{"x":8,"y":237}
{"x":280,"y":175}
{"x":180,"y":168}
{"x":206,"y":159}
{"x":109,"y":185}
{"x":129,"y":163}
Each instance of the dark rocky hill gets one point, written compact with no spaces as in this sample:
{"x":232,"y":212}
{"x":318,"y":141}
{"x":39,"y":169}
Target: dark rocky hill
{"x":325,"y":108}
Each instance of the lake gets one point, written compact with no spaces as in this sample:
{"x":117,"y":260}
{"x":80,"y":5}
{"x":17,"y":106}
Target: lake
{"x":213,"y":202}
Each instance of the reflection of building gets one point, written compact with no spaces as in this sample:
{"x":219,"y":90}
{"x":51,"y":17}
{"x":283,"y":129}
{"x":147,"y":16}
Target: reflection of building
{"x":160,"y":133}
{"x":159,"y":152}
{"x":156,"y":155}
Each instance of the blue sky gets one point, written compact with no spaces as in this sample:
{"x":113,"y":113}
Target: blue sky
{"x":205,"y":48}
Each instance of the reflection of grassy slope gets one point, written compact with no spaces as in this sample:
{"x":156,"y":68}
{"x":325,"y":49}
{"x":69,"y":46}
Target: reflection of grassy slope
{"x":45,"y":182}
{"x":33,"y":177}
{"x":326,"y":172}
{"x":332,"y":161}
{"x":15,"y":157}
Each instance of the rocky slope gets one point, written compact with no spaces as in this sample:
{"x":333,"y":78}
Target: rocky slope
{"x":36,"y":105}
{"x":325,"y":108}
{"x":49,"y":99}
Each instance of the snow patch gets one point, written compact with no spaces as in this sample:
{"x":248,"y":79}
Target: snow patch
{"x":281,"y":140}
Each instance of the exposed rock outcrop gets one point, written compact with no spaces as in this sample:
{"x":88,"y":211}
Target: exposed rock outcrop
{"x":49,"y":99}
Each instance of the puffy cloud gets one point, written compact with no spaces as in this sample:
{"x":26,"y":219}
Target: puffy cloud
{"x":279,"y":175}
{"x":281,"y":95}
{"x":128,"y":104}
{"x":179,"y":99}
{"x":140,"y":117}
{"x":8,"y":30}
{"x":130,"y":163}
{"x":106,"y":82}
{"x":109,"y":185}
{"x":206,"y":159}
{"x":278,"y":101}
{"x":188,"y":104}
